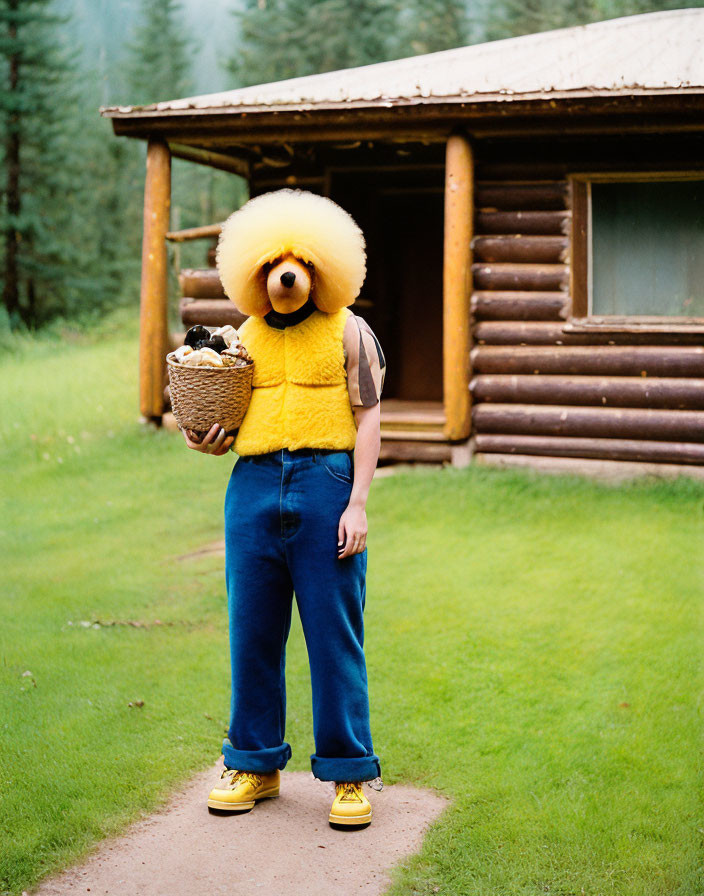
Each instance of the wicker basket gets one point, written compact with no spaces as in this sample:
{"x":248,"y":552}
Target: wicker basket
{"x":202,"y":396}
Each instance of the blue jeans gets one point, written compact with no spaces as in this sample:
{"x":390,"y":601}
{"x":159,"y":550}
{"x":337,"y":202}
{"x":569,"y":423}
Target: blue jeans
{"x":282,"y":511}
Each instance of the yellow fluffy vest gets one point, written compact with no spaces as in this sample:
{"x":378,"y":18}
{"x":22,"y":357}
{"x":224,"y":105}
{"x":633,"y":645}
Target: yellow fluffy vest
{"x":299,"y":390}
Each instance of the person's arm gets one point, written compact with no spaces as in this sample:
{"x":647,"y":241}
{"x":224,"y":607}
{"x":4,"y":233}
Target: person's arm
{"x":352,"y":529}
{"x":366,"y":368}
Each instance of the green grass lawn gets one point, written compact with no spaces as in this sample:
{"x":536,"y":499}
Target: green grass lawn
{"x":533,"y":645}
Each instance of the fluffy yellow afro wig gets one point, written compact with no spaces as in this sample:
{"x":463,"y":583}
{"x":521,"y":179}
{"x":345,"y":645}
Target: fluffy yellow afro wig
{"x":315,"y":229}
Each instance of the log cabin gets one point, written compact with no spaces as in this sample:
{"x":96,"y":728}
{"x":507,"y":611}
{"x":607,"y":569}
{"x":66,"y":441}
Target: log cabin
{"x":534,"y":216}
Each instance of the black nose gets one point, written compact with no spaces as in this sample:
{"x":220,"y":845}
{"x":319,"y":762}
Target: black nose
{"x":288,"y":279}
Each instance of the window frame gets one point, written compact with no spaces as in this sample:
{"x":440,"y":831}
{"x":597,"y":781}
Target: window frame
{"x":580,"y":319}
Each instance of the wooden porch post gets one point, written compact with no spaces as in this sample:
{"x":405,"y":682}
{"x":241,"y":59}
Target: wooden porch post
{"x":457,"y":275}
{"x":153,"y":326}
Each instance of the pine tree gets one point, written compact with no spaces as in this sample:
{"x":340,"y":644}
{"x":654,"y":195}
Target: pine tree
{"x":432,"y":25}
{"x":159,"y":61}
{"x":114,"y":240}
{"x":358,"y":32}
{"x":512,"y":18}
{"x":263,"y":31}
{"x":614,"y":8}
{"x":158,"y":67}
{"x":580,"y":12}
{"x":45,"y":268}
{"x":279,"y":39}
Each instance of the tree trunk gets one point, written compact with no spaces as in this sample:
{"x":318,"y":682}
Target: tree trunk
{"x":10,"y":295}
{"x":30,"y":318}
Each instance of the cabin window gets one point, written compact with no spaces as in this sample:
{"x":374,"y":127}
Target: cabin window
{"x":638,"y":251}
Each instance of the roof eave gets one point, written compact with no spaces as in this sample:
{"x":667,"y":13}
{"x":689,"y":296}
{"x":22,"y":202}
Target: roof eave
{"x":504,"y":97}
{"x":577,"y":112}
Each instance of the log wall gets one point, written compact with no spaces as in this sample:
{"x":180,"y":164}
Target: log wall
{"x":539,"y":390}
{"x":203,"y":300}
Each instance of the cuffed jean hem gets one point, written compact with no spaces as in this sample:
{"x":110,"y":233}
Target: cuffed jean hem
{"x":262,"y":761}
{"x":364,"y":768}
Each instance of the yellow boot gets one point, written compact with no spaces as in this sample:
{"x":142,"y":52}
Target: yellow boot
{"x":241,"y":790}
{"x":350,"y":805}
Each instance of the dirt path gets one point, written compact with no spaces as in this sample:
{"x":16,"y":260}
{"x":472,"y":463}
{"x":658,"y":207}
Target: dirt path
{"x":283,"y":847}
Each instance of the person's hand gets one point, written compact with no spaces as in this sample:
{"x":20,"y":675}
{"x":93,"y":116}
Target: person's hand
{"x":352,"y":531}
{"x":215,"y":441}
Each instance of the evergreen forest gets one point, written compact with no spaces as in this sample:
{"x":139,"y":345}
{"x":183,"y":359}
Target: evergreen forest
{"x":71,"y":192}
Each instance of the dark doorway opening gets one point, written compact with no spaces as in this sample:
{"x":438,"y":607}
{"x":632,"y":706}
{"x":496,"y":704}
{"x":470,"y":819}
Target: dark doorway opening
{"x":401,"y":214}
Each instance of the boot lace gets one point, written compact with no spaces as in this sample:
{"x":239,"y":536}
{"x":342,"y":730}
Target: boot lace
{"x":351,"y":791}
{"x":237,"y":777}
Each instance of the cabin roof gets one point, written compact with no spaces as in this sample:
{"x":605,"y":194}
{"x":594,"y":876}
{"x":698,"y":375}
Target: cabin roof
{"x":650,"y":53}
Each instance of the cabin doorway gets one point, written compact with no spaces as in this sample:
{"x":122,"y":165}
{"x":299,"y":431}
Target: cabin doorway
{"x":401,"y":214}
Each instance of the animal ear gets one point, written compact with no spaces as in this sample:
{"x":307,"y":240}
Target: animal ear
{"x":262,"y":275}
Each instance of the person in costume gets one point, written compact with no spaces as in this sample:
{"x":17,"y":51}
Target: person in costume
{"x":295,"y":519}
